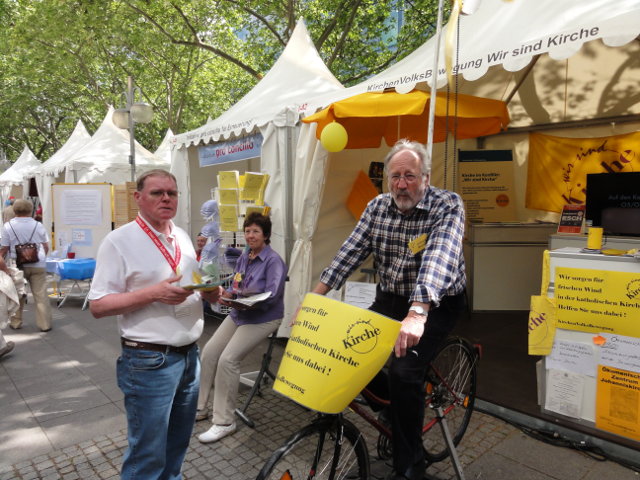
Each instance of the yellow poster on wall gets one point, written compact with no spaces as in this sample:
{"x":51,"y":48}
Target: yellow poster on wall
{"x":334,"y":350}
{"x":618,"y":402}
{"x":557,"y":167}
{"x":598,"y":301}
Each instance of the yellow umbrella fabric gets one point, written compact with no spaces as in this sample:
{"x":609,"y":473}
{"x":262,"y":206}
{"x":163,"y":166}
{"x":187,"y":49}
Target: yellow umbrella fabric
{"x":370,"y":117}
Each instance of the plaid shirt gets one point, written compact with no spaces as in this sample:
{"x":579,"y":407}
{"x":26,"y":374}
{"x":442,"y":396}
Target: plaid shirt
{"x":426,"y":276}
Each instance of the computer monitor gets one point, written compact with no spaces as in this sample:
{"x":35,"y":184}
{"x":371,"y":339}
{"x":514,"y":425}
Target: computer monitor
{"x":613,"y":202}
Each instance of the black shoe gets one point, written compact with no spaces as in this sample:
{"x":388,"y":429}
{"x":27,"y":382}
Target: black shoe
{"x":45,"y":330}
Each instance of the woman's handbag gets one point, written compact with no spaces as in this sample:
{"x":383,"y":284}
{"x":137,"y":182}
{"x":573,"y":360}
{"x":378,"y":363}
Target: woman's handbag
{"x":25,"y":252}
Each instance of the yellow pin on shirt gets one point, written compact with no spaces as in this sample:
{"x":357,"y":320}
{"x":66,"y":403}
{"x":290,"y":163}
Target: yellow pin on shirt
{"x":418,"y":244}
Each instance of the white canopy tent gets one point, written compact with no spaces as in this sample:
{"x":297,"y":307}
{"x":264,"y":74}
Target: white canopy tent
{"x":52,"y":170}
{"x":164,"y":149}
{"x":271,"y":108}
{"x":19,"y":175}
{"x":554,"y":63}
{"x":105,"y":157}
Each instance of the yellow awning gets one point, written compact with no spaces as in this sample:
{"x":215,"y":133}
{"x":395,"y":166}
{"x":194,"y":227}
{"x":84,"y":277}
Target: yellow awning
{"x":369,"y":117}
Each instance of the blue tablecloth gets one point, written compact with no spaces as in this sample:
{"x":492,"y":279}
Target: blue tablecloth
{"x":72,"y":268}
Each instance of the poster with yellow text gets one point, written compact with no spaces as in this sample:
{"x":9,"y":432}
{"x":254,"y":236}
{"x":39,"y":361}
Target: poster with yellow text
{"x":334,"y":350}
{"x":618,"y":402}
{"x":598,"y":301}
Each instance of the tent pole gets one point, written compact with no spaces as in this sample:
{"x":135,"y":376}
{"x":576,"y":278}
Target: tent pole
{"x":288,"y":188}
{"x":434,"y":85}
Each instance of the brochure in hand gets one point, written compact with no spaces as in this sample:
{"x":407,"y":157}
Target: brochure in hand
{"x":206,"y":286}
{"x":249,"y":301}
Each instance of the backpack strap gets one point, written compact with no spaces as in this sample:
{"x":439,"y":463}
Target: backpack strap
{"x":33,"y":231}
{"x":14,"y":232}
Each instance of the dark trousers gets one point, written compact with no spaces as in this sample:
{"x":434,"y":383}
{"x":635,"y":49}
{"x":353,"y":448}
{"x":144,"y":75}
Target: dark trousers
{"x":404,"y":384}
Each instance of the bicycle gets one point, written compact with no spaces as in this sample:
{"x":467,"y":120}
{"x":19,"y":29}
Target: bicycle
{"x":332,"y":447}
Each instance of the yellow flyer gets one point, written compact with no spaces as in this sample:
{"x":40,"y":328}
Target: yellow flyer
{"x":334,"y":350}
{"x":618,"y":402}
{"x":542,"y":325}
{"x":228,"y":179}
{"x":598,"y":301}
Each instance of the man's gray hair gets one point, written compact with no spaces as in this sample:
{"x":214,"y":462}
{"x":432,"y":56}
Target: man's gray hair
{"x":416,"y":147}
{"x":156,"y":172}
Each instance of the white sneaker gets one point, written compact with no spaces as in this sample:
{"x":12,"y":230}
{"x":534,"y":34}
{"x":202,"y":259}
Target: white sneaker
{"x":216,"y":432}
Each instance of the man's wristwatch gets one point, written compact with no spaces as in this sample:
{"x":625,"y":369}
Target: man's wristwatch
{"x":418,"y":310}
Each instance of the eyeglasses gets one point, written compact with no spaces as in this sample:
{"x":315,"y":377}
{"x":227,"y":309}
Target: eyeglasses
{"x":158,"y":194}
{"x":409,"y":178}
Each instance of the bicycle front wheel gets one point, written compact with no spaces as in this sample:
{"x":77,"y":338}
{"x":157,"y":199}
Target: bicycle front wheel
{"x":316,"y":452}
{"x":451,"y":385}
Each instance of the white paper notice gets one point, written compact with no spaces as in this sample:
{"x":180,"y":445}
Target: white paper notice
{"x":564,"y":393}
{"x":621,"y":352}
{"x":574,"y":357}
{"x":359,"y":294}
{"x":82,"y":207}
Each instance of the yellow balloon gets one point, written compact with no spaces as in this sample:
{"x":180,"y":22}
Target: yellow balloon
{"x":334,"y":137}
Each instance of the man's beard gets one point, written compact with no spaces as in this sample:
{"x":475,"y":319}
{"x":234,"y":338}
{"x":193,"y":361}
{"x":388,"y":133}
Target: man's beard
{"x":406,"y":203}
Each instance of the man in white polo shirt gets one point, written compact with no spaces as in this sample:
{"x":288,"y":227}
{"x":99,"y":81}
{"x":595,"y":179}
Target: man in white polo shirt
{"x":138,"y":270}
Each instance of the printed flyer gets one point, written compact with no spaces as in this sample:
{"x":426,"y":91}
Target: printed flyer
{"x":334,"y":350}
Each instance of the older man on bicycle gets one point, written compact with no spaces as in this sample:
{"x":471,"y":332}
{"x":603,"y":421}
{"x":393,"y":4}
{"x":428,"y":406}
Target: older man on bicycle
{"x":415,"y":234}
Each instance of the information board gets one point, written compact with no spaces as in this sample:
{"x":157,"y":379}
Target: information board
{"x":82,"y":216}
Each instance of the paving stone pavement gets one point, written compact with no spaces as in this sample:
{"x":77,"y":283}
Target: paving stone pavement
{"x":61,"y":418}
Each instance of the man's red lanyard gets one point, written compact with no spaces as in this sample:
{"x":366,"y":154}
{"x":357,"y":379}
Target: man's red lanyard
{"x":173,"y":262}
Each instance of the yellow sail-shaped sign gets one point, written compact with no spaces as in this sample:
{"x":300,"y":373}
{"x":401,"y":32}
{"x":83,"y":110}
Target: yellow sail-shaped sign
{"x":334,"y":350}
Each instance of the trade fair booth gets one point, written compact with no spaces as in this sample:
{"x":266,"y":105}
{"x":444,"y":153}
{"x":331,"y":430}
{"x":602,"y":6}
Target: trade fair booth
{"x":571,"y":76}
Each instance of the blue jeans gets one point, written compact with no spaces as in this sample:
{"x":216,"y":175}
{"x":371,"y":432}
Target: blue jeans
{"x":160,"y":397}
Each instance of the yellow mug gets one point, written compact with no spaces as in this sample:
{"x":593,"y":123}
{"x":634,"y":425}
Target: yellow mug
{"x":594,"y":239}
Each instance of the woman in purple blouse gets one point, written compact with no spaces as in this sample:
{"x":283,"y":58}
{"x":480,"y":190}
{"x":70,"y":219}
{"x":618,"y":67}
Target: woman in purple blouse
{"x":258,"y":270}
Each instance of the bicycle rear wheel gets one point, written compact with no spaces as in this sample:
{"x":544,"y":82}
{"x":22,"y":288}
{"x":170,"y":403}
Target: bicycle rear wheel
{"x":451,"y":384}
{"x":314,"y":452}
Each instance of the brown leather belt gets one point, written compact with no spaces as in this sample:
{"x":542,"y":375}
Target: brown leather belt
{"x":155,"y":347}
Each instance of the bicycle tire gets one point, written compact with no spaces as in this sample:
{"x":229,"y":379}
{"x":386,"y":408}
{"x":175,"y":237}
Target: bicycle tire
{"x":451,"y":383}
{"x":310,"y":452}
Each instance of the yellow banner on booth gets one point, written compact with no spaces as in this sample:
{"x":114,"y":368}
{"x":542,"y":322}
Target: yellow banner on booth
{"x":334,"y":350}
{"x":598,"y":301}
{"x":557,"y":167}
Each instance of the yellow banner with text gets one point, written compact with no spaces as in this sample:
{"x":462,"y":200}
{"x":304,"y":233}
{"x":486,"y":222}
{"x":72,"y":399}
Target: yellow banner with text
{"x":334,"y":350}
{"x":598,"y":301}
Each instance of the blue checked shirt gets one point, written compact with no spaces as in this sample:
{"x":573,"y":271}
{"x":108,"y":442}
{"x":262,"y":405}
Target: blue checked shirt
{"x":426,"y":276}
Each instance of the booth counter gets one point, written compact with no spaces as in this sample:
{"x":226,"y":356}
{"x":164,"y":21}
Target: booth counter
{"x":503,"y":263}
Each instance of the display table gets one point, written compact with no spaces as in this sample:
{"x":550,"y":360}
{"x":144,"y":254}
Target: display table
{"x":75,"y":270}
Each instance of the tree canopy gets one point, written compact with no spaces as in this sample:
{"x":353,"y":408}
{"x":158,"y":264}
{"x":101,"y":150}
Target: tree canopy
{"x":68,"y":60}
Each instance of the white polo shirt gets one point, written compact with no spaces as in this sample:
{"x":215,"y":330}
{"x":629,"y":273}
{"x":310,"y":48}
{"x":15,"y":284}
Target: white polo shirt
{"x":128,"y":260}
